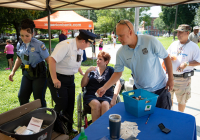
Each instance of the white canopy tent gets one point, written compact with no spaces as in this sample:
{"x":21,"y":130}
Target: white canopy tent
{"x":64,"y":5}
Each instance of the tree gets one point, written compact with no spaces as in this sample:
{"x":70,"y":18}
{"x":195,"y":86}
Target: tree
{"x":197,"y":17}
{"x":185,"y":15}
{"x":159,"y":23}
{"x":84,"y":13}
{"x":11,"y":18}
{"x":107,"y":19}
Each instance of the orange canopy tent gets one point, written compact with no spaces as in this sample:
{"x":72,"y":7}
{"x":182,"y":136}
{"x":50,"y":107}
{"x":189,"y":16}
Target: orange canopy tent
{"x":64,"y":20}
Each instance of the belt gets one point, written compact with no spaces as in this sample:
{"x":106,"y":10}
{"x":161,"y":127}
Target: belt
{"x":178,"y":75}
{"x":64,"y":75}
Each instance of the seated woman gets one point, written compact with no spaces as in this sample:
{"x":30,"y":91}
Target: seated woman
{"x":96,"y":77}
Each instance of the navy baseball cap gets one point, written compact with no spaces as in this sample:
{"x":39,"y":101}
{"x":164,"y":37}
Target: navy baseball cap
{"x":88,"y":36}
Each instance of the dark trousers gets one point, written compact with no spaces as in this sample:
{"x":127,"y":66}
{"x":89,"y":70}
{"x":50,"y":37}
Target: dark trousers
{"x":164,"y":98}
{"x":38,"y":86}
{"x":64,"y":97}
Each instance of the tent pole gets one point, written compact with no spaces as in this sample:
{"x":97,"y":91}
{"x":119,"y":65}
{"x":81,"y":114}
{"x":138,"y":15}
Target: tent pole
{"x":175,"y":22}
{"x":136,"y":19}
{"x":49,"y":27}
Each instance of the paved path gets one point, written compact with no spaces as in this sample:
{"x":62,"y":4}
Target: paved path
{"x":193,"y":105}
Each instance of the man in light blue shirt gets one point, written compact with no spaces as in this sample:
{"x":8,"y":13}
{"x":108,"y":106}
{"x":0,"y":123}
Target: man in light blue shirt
{"x":141,"y":54}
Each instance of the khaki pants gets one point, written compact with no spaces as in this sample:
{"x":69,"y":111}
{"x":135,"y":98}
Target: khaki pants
{"x":182,"y":89}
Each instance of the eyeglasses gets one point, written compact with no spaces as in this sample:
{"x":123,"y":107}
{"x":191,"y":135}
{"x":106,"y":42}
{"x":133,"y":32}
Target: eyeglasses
{"x":123,"y":22}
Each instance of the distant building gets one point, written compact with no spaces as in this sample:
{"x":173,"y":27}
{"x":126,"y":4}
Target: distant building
{"x":151,"y":30}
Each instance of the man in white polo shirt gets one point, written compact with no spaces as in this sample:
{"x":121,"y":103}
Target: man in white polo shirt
{"x":141,"y":54}
{"x":194,"y":36}
{"x":185,"y":55}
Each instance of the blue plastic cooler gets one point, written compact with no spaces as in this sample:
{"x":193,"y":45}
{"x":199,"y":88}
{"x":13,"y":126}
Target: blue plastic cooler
{"x":140,"y":108}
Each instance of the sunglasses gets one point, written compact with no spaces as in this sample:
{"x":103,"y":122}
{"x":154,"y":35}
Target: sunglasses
{"x":123,"y":22}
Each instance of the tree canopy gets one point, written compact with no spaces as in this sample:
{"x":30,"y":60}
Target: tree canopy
{"x":105,"y":20}
{"x":185,"y":15}
{"x":11,"y":18}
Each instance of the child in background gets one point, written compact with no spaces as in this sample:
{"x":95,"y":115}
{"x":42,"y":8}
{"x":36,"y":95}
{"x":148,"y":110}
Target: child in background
{"x":114,"y":40}
{"x":101,"y":44}
{"x":9,"y":53}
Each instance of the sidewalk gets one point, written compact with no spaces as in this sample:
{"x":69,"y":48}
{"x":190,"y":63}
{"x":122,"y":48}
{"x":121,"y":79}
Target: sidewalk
{"x":193,"y":105}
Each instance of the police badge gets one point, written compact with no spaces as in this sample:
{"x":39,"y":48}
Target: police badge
{"x":144,"y":51}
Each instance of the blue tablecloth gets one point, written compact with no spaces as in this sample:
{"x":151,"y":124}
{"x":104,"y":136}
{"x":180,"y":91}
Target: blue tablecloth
{"x":183,"y":126}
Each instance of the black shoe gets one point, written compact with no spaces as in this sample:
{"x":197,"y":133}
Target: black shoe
{"x":73,"y":131}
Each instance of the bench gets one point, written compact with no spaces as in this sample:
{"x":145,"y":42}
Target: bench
{"x":22,"y":110}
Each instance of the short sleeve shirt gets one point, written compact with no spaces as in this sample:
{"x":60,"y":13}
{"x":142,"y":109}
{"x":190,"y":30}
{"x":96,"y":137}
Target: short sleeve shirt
{"x":194,"y":38}
{"x":190,"y":52}
{"x":36,"y":51}
{"x":65,"y":55}
{"x":144,"y":62}
{"x":96,"y":81}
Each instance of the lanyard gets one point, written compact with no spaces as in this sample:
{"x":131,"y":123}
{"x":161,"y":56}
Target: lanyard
{"x":180,"y":49}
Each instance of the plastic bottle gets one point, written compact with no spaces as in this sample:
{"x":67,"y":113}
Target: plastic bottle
{"x":82,"y":136}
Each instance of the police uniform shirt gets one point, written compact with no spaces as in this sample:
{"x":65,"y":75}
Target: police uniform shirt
{"x":144,"y":63}
{"x":193,"y":37}
{"x":189,"y":53}
{"x":36,"y":52}
{"x":65,"y":55}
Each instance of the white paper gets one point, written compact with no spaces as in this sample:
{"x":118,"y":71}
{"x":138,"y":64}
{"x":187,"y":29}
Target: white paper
{"x":35,"y":124}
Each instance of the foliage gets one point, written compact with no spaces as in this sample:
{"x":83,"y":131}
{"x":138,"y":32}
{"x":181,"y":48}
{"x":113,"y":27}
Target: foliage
{"x":197,"y":17}
{"x":159,"y":23}
{"x":11,"y":18}
{"x":185,"y":15}
{"x":144,"y":16}
{"x":107,"y":19}
{"x":84,"y":13}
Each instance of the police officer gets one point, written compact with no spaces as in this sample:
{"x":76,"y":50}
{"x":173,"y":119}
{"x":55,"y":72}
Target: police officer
{"x":64,"y":62}
{"x":31,"y":54}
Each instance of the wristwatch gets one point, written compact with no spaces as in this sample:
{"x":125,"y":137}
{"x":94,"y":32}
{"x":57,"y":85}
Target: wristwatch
{"x":186,"y":63}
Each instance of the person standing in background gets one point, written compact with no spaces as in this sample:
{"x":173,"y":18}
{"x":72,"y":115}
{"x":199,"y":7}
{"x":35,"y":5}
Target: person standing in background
{"x":114,"y":40}
{"x":101,"y":44}
{"x":9,"y":53}
{"x":184,"y":55}
{"x":63,"y":35}
{"x":194,"y":36}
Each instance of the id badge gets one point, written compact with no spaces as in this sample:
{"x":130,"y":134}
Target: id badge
{"x":26,"y":57}
{"x":78,"y":58}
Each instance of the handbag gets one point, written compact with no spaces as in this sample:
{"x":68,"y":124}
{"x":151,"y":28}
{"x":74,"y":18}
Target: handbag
{"x":61,"y":123}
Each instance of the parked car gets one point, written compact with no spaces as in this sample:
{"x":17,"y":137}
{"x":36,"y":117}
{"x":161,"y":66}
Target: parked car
{"x":40,"y":37}
{"x":69,"y":35}
{"x":13,"y":38}
{"x":76,"y":34}
{"x":55,"y":36}
{"x":1,"y":40}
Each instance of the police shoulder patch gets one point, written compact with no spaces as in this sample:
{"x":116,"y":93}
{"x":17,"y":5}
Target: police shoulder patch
{"x":43,"y":47}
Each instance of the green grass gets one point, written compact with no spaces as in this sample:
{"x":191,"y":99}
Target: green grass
{"x":9,"y":90}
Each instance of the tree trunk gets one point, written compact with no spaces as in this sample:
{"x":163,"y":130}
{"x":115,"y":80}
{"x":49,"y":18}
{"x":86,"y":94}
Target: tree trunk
{"x":16,"y":25}
{"x":72,"y":33}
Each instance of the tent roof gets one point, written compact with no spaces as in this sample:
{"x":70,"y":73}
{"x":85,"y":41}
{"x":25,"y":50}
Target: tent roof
{"x":64,"y":20}
{"x":63,"y":5}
